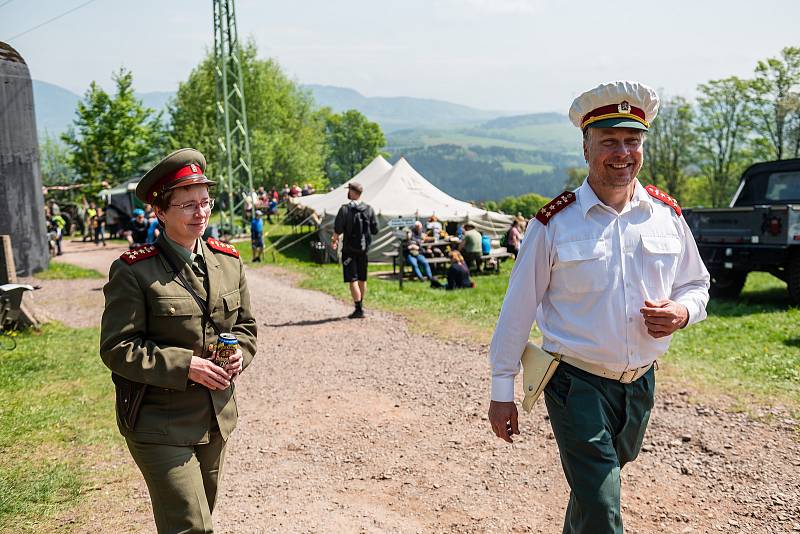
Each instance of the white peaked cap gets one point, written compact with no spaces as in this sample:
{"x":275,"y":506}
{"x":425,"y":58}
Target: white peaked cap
{"x":621,"y":104}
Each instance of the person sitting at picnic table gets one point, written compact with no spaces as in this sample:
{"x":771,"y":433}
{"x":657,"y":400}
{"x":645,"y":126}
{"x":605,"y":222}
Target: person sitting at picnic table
{"x":434,"y":227}
{"x":413,"y":252}
{"x":513,"y":238}
{"x":471,"y":246}
{"x":458,"y":273}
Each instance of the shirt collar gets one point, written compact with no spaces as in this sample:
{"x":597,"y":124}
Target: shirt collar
{"x":181,"y":252}
{"x":587,"y":198}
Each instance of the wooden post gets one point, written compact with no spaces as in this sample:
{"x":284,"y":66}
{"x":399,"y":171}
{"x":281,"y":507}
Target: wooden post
{"x":8,"y":271}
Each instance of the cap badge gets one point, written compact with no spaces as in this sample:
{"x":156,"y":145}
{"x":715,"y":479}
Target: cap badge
{"x":194,"y":167}
{"x":624,"y":107}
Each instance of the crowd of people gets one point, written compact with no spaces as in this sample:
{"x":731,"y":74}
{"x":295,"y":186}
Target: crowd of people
{"x":465,"y":250}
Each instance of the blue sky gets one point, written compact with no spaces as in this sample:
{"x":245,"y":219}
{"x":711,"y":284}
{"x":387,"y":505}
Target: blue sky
{"x":521,"y":55}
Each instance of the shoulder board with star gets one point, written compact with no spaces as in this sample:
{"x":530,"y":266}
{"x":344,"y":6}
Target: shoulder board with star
{"x":663,"y":197}
{"x":138,"y":254}
{"x":221,"y":246}
{"x":554,"y":206}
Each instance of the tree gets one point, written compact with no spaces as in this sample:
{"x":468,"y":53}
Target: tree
{"x":527,"y":205}
{"x":286,"y":133}
{"x":722,"y":125}
{"x":776,"y":103}
{"x":54,"y":162}
{"x":112,"y":138}
{"x":352,"y":142}
{"x":575,"y":177}
{"x":667,"y":149}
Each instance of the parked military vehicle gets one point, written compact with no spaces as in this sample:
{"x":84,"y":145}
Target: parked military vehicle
{"x":759,"y":231}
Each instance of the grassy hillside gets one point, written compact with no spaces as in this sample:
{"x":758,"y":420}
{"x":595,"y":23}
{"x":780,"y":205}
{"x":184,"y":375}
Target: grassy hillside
{"x":536,"y":132}
{"x":506,"y":156}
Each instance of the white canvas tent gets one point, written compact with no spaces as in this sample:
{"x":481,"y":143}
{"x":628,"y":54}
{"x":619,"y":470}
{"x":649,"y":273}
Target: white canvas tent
{"x":401,"y":192}
{"x":331,"y":201}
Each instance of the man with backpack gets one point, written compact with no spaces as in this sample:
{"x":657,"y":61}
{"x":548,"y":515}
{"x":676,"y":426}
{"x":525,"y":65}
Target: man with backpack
{"x":356,"y":223}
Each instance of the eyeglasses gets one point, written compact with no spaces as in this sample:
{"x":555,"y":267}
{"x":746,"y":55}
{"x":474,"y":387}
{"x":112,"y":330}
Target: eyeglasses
{"x":191,"y":207}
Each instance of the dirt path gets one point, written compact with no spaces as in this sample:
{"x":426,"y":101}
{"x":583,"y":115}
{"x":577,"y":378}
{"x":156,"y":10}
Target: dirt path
{"x":365,"y":426}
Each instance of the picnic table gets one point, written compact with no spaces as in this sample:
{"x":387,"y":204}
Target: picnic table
{"x":489,"y":262}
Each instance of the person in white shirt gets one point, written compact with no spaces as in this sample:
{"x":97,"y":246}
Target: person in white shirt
{"x":609,"y":272}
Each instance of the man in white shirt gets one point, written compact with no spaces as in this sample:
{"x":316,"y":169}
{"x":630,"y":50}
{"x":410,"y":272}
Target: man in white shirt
{"x":609,"y":272}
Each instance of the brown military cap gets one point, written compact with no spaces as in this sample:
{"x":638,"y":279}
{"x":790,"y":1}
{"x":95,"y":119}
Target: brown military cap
{"x":182,"y":168}
{"x":355,"y":186}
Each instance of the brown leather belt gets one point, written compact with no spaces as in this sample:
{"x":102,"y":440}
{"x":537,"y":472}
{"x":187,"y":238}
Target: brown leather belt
{"x":626,"y":377}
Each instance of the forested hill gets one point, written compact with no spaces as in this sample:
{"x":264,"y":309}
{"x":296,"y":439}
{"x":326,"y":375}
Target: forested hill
{"x":395,"y":113}
{"x":505,"y":156}
{"x":478,"y":173}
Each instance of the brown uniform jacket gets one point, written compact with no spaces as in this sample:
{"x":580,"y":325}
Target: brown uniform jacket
{"x":152,"y":327}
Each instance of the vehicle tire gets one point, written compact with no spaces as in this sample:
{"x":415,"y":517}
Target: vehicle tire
{"x":793,"y":278}
{"x":727,"y":284}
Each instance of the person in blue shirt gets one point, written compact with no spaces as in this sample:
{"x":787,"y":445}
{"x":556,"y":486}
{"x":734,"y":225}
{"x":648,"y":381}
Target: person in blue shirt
{"x":257,"y":236}
{"x":272,"y":209}
{"x":152,"y":230}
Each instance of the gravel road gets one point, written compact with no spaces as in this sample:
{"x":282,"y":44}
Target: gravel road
{"x":367,"y":426}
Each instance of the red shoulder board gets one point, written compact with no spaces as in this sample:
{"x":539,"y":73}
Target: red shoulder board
{"x":554,"y":206}
{"x":138,"y":254}
{"x":220,"y":246}
{"x":663,"y":197}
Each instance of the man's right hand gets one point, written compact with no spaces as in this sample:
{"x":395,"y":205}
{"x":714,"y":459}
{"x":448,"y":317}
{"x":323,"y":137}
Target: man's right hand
{"x":503,"y":418}
{"x":207,"y":373}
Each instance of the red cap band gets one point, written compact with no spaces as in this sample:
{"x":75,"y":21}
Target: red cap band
{"x":184,"y":172}
{"x":614,"y":110}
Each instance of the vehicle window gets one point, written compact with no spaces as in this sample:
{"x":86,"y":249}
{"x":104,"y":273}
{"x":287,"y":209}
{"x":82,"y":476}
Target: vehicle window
{"x":783,"y":187}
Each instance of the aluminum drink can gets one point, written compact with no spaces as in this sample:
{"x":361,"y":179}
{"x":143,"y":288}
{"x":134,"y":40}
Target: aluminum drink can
{"x":226,"y":347}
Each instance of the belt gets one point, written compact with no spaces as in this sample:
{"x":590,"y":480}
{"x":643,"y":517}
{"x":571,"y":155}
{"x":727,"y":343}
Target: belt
{"x":626,"y":377}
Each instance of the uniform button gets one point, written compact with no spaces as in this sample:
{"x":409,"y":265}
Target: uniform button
{"x":171,"y":310}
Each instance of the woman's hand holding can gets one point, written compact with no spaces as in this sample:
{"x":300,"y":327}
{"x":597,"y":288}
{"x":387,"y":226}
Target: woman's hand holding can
{"x":207,"y":373}
{"x":235,"y":364}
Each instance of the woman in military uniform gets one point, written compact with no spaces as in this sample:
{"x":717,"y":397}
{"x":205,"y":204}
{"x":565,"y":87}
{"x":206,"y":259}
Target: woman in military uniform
{"x":175,"y":407}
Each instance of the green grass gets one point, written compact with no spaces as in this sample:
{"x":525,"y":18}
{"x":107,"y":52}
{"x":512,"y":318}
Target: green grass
{"x":748,"y":348}
{"x":750,"y":345}
{"x":66,"y":271}
{"x":56,"y":407}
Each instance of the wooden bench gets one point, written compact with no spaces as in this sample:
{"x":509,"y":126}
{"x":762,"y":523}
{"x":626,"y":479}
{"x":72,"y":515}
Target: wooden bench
{"x":395,"y":256}
{"x":498,"y":258}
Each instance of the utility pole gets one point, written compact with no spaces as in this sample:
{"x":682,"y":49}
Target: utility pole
{"x":233,"y":139}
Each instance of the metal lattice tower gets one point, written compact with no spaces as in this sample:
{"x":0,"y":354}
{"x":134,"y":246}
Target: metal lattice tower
{"x":233,"y":140}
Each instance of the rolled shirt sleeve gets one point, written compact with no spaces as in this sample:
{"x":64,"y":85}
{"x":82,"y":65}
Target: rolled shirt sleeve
{"x":692,"y":280}
{"x":529,"y":279}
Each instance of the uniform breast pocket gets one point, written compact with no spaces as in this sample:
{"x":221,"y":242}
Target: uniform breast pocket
{"x":171,"y":312}
{"x":581,"y":266}
{"x":232,"y":302}
{"x":660,"y":261}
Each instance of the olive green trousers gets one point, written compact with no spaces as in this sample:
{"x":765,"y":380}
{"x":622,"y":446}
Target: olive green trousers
{"x":182,"y":481}
{"x":599,"y":425}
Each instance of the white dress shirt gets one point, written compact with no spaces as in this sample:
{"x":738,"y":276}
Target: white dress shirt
{"x":584,"y":277}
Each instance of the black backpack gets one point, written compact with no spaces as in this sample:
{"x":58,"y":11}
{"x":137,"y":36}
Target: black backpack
{"x":357,"y":235}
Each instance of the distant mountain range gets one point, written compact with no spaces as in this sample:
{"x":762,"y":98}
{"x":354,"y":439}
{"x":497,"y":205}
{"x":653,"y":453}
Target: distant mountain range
{"x":400,"y":112}
{"x":499,"y":154}
{"x":55,"y":108}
